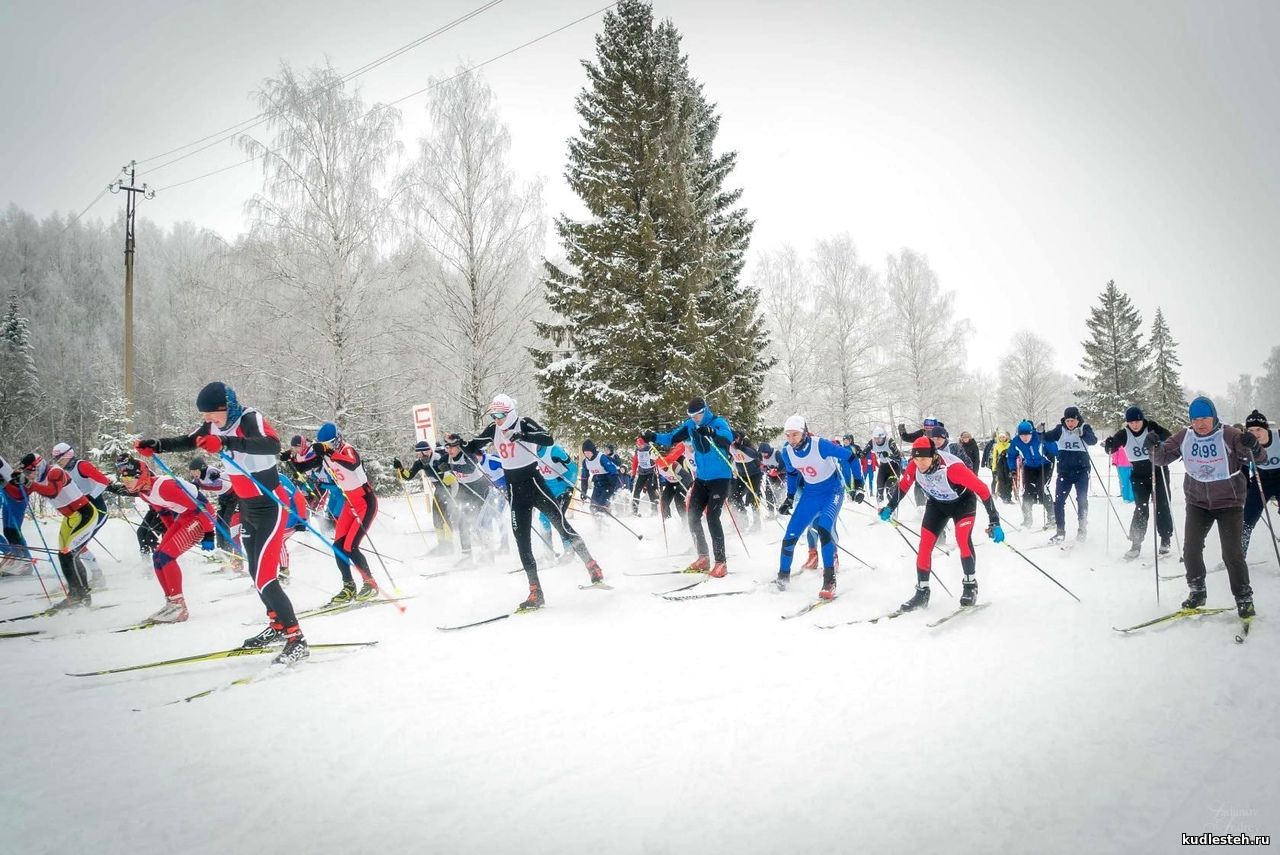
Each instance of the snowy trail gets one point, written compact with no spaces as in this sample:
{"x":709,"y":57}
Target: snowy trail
{"x":615,"y":721}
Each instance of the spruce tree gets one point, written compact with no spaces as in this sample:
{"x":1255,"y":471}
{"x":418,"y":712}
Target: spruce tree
{"x":1114,"y":365}
{"x":650,"y":309}
{"x":1166,"y":402}
{"x":19,"y":380}
{"x":114,"y":436}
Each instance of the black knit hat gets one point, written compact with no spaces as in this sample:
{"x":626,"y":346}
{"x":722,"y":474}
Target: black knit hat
{"x":1072,"y":413}
{"x":588,"y":446}
{"x":1256,"y":419}
{"x":696,"y":405}
{"x":212,"y":397}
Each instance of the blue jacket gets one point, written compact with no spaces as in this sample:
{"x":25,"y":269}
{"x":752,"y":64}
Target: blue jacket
{"x":1034,"y":455}
{"x":1071,"y":461}
{"x":849,"y":474}
{"x":610,"y":472}
{"x":557,"y":459}
{"x":710,"y":456}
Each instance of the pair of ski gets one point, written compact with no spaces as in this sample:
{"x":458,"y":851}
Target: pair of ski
{"x":899,"y":612}
{"x":56,"y":610}
{"x":1218,"y":568}
{"x":757,"y":586}
{"x":1181,"y":614}
{"x":599,"y":586}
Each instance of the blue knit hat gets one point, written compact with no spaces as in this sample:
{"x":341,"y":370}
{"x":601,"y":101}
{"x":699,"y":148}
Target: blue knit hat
{"x":1134,"y":414}
{"x":1025,"y":426}
{"x":1202,"y":408}
{"x":328,"y":433}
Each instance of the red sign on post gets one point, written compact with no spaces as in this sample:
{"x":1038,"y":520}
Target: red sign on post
{"x":424,"y":423}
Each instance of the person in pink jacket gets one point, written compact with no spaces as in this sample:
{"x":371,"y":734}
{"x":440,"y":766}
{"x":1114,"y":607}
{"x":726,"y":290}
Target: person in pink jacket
{"x":1120,"y":460}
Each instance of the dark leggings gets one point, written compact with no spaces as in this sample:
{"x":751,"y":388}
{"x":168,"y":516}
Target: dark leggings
{"x":647,"y":483}
{"x":17,"y":544}
{"x":262,"y":524}
{"x":672,"y":493}
{"x":936,"y":515}
{"x":708,"y":497}
{"x":1144,"y":492}
{"x":1230,"y":521}
{"x":529,"y":492}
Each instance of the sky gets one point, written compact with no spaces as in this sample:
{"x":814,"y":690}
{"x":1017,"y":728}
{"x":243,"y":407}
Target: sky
{"x":1032,"y":151}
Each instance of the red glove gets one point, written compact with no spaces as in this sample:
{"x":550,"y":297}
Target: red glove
{"x":146,"y":447}
{"x":209,"y":442}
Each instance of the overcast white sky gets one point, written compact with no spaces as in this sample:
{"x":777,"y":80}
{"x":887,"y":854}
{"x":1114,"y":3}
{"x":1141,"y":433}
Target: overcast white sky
{"x":1032,"y":150}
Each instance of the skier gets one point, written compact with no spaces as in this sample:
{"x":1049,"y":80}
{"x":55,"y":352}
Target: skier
{"x":676,"y":480}
{"x":210,"y":481}
{"x":747,"y":474}
{"x":952,"y":487}
{"x":343,"y":463}
{"x":602,"y":472}
{"x":17,"y":558}
{"x":710,"y":436}
{"x":560,"y":472}
{"x":1001,"y":477}
{"x":79,"y":519}
{"x":187,"y":522}
{"x":644,"y":476}
{"x":827,"y":470}
{"x":1215,"y":488}
{"x":887,"y":461}
{"x":1149,"y":484}
{"x":1265,"y":484}
{"x":772,"y":482}
{"x":93,"y":484}
{"x":437,"y":487}
{"x":515,"y":438}
{"x":1072,"y":436}
{"x":252,"y":445}
{"x":473,"y":490}
{"x":295,"y":499}
{"x":1027,"y":451}
{"x":970,"y":447}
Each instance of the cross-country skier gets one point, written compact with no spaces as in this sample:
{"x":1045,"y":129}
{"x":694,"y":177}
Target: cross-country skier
{"x":887,"y":461}
{"x":427,"y":462}
{"x":954,"y":491}
{"x":210,"y":481}
{"x":17,"y":556}
{"x":1149,"y":483}
{"x":1264,"y":485}
{"x":516,"y":439}
{"x":560,"y":472}
{"x":343,"y":463}
{"x":710,"y":436}
{"x":600,"y":472}
{"x":1027,"y":452}
{"x":79,"y":519}
{"x":1215,"y":487}
{"x":1072,"y":436}
{"x":644,"y":476}
{"x":676,"y":481}
{"x":746,"y":483}
{"x":93,"y":484}
{"x":822,"y":472}
{"x":473,"y":490}
{"x":251,"y":443}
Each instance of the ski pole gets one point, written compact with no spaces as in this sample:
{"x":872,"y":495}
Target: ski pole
{"x":39,"y":531}
{"x":1107,"y":491}
{"x":1168,"y":500}
{"x":608,"y":513}
{"x":104,"y":549}
{"x":1018,"y":552}
{"x":1155,"y":544}
{"x":271,"y":495}
{"x":35,"y":565}
{"x":1266,"y":514}
{"x":182,"y":485}
{"x":897,"y":525}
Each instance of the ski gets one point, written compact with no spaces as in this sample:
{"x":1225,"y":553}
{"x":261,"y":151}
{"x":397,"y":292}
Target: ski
{"x":229,"y":653}
{"x":26,"y":634}
{"x":1178,"y":615}
{"x":1245,"y":624}
{"x":325,"y":611}
{"x":146,"y":624}
{"x":50,"y":612}
{"x":692,"y":584}
{"x":804,"y":611}
{"x":677,"y":597}
{"x":488,"y":620}
{"x":665,"y":573}
{"x":962,"y":610}
{"x":898,"y":612}
{"x":598,"y":586}
{"x":1183,"y":575}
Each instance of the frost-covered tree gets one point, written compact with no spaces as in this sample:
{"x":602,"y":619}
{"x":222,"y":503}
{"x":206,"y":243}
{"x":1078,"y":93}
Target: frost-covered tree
{"x":483,"y":232}
{"x":1238,"y":402}
{"x":114,"y":435}
{"x":1165,"y":401}
{"x":848,"y":302}
{"x":1113,"y":372}
{"x":1268,"y":388}
{"x":19,"y":380}
{"x":649,"y":308}
{"x":1031,"y":387}
{"x":786,"y":290}
{"x":927,"y":340}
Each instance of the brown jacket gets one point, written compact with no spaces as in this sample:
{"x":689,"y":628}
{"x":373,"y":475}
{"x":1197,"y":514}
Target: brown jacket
{"x":1212,"y":495}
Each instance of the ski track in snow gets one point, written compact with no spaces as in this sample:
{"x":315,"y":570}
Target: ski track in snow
{"x":618,"y":722}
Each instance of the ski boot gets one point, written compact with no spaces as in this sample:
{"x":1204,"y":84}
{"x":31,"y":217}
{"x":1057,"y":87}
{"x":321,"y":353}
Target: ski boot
{"x":1059,"y":536}
{"x":811,"y":563}
{"x":597,"y":575}
{"x":919,"y":600}
{"x":701,"y":564}
{"x":1135,"y":547}
{"x":782,"y":582}
{"x":719,"y":571}
{"x":535,"y":600}
{"x":1082,"y":534}
{"x":174,"y":611}
{"x":346,"y":595}
{"x":1244,"y":606}
{"x":269,"y":636}
{"x":969,"y":591}
{"x":1195,"y":599}
{"x":1165,"y":546}
{"x":368,"y":591}
{"x":295,"y":649}
{"x":828,"y":591}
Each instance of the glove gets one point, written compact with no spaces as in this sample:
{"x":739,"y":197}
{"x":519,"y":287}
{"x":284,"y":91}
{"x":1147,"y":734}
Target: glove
{"x":299,"y":526}
{"x":318,"y":449}
{"x":1248,"y":440}
{"x":448,"y":479}
{"x":784,"y":509}
{"x":206,"y":542}
{"x":397,"y":464}
{"x":650,"y":436}
{"x":885,"y":513}
{"x":857,"y":495}
{"x":209,"y":442}
{"x":995,"y":532}
{"x":1107,"y":446}
{"x":706,"y":430}
{"x":286,"y":456}
{"x":518,"y":436}
{"x":147,"y":447}
{"x":1151,"y":440}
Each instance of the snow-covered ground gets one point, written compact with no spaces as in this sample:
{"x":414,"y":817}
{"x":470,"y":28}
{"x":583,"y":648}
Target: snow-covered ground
{"x":616,"y":721}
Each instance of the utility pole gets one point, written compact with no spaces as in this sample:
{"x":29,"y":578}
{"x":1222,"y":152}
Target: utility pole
{"x":131,"y":211}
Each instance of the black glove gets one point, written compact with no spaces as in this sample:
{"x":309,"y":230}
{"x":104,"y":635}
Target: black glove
{"x":318,"y":449}
{"x":286,"y":456}
{"x":784,"y":509}
{"x":857,"y":495}
{"x":397,"y":464}
{"x":147,"y":446}
{"x":299,"y":526}
{"x":650,"y":436}
{"x":902,"y":428}
{"x":707,"y":431}
{"x":519,"y":437}
{"x":1107,"y":446}
{"x":1248,"y":440}
{"x":1151,"y":440}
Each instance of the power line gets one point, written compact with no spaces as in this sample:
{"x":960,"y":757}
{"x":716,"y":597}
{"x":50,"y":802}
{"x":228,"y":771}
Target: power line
{"x":369,"y":112}
{"x":219,"y":137}
{"x":96,"y":199}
